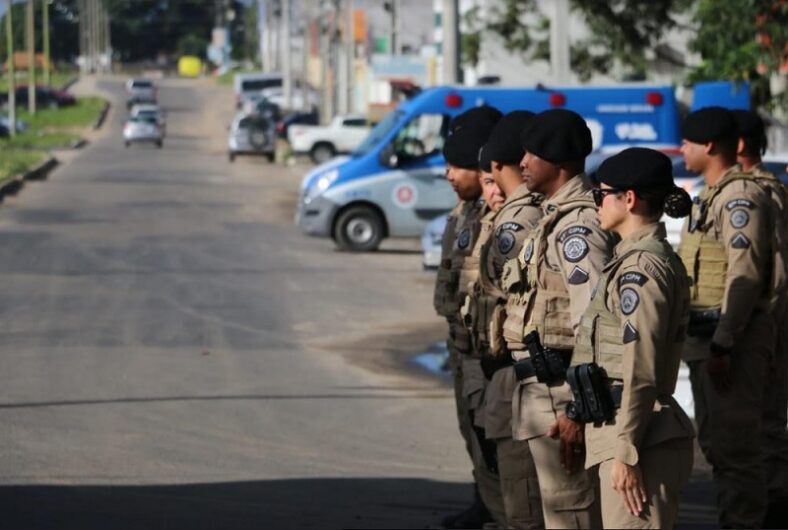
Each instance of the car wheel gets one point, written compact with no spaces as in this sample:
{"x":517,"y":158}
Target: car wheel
{"x":322,"y":153}
{"x":270,"y":157}
{"x":231,"y":156}
{"x":359,"y":229}
{"x":127,"y":143}
{"x":159,"y":144}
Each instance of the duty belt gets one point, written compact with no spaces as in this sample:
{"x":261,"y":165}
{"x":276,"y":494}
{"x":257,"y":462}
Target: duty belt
{"x":525,"y":368}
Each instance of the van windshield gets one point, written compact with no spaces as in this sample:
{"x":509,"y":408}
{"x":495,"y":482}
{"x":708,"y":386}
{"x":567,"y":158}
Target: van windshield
{"x":259,"y":84}
{"x":379,"y":132}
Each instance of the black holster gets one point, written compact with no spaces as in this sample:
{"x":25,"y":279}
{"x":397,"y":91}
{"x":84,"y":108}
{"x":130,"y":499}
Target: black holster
{"x":549,"y":365}
{"x":703,"y":324}
{"x":593,"y":400}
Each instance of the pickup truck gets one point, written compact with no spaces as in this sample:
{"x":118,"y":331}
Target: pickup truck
{"x":342,"y":135}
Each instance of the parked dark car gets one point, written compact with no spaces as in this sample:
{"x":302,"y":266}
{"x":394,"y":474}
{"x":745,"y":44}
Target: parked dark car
{"x":296,"y":118}
{"x":45,"y":97}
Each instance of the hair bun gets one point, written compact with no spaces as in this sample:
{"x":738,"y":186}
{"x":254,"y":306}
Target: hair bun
{"x":678,"y":203}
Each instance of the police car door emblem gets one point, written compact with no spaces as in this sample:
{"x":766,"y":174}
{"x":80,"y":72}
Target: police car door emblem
{"x":575,"y":249}
{"x":505,"y":242}
{"x":739,"y":218}
{"x":629,"y":301}
{"x":464,"y":239}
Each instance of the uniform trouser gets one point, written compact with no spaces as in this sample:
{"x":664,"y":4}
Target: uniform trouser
{"x":775,"y":404}
{"x":666,"y":470}
{"x":487,"y":480}
{"x":568,"y":500}
{"x":519,"y":485}
{"x":730,"y":426}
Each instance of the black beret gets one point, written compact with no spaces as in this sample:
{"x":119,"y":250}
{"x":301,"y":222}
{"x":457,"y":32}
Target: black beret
{"x":462,"y":148}
{"x":557,"y":135}
{"x":483,"y":116}
{"x":708,"y":125}
{"x":637,"y":168}
{"x":504,"y":145}
{"x":485,"y":162}
{"x":749,"y":124}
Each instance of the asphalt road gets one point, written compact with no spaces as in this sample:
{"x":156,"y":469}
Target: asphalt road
{"x":175,"y":354}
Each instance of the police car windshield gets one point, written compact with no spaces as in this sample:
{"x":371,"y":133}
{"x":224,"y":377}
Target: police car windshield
{"x":379,"y":132}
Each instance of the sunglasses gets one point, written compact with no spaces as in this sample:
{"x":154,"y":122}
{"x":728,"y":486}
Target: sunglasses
{"x":600,"y":193}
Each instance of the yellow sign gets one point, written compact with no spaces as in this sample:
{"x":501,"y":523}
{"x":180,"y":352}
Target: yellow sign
{"x":189,"y":66}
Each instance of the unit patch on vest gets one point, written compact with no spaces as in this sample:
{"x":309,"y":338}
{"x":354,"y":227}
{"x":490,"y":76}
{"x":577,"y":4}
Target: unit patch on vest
{"x":629,"y":300}
{"x":575,"y":248}
{"x":510,"y":226}
{"x":529,"y":251}
{"x":506,"y":242}
{"x":630,"y":333}
{"x":577,"y":230}
{"x":577,"y":277}
{"x":633,"y":277}
{"x":464,"y":239}
{"x":739,"y":218}
{"x":740,"y":241}
{"x":739,"y":203}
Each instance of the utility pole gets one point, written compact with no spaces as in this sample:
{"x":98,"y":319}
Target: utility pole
{"x":9,"y":32}
{"x":559,"y":42}
{"x":350,"y":56}
{"x":451,"y":42}
{"x":325,"y":30}
{"x":307,"y":43}
{"x":31,"y":58}
{"x":45,"y":30}
{"x":284,"y":46}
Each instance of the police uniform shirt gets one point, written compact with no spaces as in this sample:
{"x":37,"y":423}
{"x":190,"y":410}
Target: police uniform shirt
{"x":651,"y":298}
{"x":514,"y":222}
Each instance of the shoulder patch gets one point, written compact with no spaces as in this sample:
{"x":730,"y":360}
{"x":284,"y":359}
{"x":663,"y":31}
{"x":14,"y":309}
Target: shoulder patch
{"x":740,"y":203}
{"x":575,"y":248}
{"x":576,"y":230}
{"x":510,"y":226}
{"x":633,"y":278}
{"x":740,"y":241}
{"x":577,"y":277}
{"x":464,"y":239}
{"x":630,"y":333}
{"x":529,"y":251}
{"x":506,"y":241}
{"x":739,"y":218}
{"x":629,"y":300}
{"x":654,"y":272}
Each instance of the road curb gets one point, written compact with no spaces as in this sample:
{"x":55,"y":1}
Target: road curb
{"x":79,"y":144}
{"x":17,"y":182}
{"x":103,"y":116}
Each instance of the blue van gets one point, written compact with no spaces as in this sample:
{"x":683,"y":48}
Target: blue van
{"x":394,"y":183}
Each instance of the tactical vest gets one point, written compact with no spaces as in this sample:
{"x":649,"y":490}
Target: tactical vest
{"x":706,"y":258}
{"x":478,"y":306}
{"x":537,"y":295}
{"x":599,"y":336}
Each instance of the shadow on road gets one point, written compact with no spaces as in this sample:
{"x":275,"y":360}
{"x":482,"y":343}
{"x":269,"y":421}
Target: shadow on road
{"x":303,"y":503}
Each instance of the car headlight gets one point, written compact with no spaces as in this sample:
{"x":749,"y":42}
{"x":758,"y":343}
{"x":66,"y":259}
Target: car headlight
{"x":322,"y":184}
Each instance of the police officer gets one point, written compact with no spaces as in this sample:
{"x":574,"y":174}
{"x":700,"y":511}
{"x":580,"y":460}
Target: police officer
{"x":728,"y":249}
{"x":634,"y":331}
{"x":518,"y":216}
{"x":549,"y":287}
{"x":467,"y":134}
{"x":752,"y":144}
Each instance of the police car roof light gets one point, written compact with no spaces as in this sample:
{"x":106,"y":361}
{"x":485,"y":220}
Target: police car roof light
{"x":557,"y":99}
{"x":453,"y":100}
{"x":654,"y":98}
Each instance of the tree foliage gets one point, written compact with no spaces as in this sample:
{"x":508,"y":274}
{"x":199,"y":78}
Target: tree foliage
{"x":63,"y":25}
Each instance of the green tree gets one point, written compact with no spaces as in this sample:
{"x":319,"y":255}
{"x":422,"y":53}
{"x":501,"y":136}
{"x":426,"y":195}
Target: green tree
{"x":64,"y":27}
{"x":743,"y":40}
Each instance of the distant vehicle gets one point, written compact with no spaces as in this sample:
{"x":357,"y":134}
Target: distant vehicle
{"x":343,"y":135}
{"x":142,"y":129}
{"x":250,"y":84}
{"x":45,"y":97}
{"x":5,"y":126}
{"x":431,"y":242}
{"x":276,"y":95}
{"x":140,"y":91}
{"x":296,"y":118}
{"x":252,"y":134}
{"x":151,"y":111}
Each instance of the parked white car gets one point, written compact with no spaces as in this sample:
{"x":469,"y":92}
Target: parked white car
{"x":343,"y":135}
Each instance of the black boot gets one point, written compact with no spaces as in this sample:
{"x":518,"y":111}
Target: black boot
{"x":475,"y":516}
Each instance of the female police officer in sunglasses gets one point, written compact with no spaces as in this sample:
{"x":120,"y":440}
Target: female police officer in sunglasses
{"x":626,"y":360}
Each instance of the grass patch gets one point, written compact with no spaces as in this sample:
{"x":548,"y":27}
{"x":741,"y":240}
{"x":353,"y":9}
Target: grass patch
{"x":40,"y":140}
{"x":227,"y":77}
{"x":14,"y":161}
{"x":51,"y":128}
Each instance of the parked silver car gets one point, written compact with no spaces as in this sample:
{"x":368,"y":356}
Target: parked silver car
{"x":142,"y":129}
{"x":252,"y":133}
{"x":140,"y":91}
